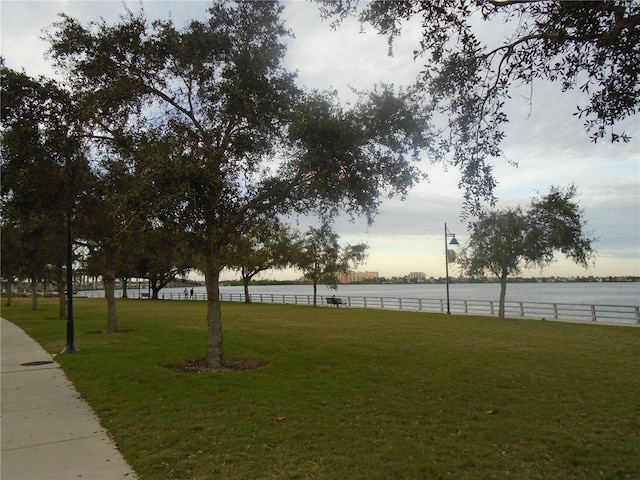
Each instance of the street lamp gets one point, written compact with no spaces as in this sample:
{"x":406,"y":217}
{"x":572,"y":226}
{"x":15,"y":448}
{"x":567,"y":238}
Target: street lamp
{"x":453,"y":241}
{"x":71,"y":346}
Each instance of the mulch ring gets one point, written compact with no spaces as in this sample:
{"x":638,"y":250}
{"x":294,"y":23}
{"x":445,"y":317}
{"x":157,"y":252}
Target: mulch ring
{"x":105,"y":332}
{"x":199,"y":365}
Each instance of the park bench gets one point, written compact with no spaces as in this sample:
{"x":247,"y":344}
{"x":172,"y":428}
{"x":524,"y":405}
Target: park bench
{"x":334,"y":301}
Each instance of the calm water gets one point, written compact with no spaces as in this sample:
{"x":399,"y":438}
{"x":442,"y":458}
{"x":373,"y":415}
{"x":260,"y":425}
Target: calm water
{"x":578,"y":293}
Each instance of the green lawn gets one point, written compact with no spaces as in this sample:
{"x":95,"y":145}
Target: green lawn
{"x":354,"y":393}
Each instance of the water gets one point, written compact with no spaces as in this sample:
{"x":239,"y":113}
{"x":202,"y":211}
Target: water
{"x":570,"y":293}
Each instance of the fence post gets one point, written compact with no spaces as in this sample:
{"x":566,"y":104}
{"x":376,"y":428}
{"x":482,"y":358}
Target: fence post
{"x":593,"y":313}
{"x":381,"y":302}
{"x":419,"y":304}
{"x":441,"y":305}
{"x":466,"y":310}
{"x":638,"y":315}
{"x":492,"y":311}
{"x":555,"y":311}
{"x":400,"y":303}
{"x":521,"y":309}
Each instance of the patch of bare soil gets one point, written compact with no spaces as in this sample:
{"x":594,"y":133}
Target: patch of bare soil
{"x":105,"y":332}
{"x":199,"y":365}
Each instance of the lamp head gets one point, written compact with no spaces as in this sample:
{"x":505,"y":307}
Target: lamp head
{"x":454,"y":241}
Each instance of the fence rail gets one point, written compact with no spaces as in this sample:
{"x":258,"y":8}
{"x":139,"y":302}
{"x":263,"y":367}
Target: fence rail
{"x":622,"y":314}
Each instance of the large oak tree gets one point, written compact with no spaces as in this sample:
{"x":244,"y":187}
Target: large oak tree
{"x":216,"y":131}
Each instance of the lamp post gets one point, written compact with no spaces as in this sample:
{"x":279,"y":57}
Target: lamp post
{"x":71,"y":199}
{"x":71,"y":346}
{"x":453,"y":241}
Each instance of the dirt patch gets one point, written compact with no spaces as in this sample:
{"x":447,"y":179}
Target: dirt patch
{"x":105,"y":332}
{"x":199,"y":365}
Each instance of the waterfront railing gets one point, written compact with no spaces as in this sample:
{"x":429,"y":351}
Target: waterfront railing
{"x":621,"y":314}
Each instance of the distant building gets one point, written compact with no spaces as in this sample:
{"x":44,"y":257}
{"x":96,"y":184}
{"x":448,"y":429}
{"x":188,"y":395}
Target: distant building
{"x":353,"y":277}
{"x":417,"y":276}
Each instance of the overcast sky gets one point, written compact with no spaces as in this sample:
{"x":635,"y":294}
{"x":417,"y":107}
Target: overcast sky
{"x":543,"y":138}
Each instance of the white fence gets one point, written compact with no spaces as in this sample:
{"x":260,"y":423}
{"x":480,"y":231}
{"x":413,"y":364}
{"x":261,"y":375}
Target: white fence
{"x":622,"y":314}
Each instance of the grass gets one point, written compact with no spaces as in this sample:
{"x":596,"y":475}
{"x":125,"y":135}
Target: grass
{"x":358,"y":394}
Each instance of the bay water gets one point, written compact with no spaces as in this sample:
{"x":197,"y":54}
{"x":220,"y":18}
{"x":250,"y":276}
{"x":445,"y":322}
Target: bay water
{"x":602,"y":293}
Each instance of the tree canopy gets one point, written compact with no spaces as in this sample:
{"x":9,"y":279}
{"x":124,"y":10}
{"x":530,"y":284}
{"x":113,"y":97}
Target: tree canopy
{"x":43,"y":166}
{"x":478,"y":52}
{"x":504,"y":241}
{"x":216,"y":132}
{"x":263,"y":243}
{"x":321,"y":258}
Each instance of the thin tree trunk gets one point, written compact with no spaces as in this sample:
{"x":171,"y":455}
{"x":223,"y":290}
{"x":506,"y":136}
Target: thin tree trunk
{"x":214,"y":314}
{"x":9,"y":292}
{"x":245,"y":282}
{"x":503,"y":293}
{"x":124,"y":287}
{"x":110,"y":295}
{"x":34,"y":294}
{"x":315,"y":293}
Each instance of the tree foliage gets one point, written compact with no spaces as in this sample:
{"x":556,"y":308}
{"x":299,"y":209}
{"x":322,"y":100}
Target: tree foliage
{"x":478,"y":52}
{"x":504,"y":241}
{"x":43,"y":166}
{"x":264,"y":243}
{"x":216,"y":132}
{"x":322,"y":259}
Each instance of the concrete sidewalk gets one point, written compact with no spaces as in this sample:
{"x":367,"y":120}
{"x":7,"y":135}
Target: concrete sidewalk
{"x":48,"y":431}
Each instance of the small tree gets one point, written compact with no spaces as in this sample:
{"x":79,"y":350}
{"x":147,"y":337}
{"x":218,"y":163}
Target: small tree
{"x":262,"y":245}
{"x":321,"y":258}
{"x":504,"y":241}
{"x":157,"y":256}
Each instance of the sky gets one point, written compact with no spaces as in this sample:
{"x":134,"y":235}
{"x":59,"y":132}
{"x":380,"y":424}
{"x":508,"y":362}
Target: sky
{"x":543,"y":138}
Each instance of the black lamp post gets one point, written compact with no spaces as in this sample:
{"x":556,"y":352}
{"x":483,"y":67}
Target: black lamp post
{"x":71,"y":346}
{"x":453,"y":241}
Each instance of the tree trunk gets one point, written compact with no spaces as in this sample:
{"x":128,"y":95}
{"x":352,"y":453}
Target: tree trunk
{"x":62,"y":297}
{"x":124,"y":287}
{"x":245,"y":282}
{"x":214,"y":314}
{"x":156,"y":285}
{"x":34,"y":294}
{"x":9,"y":292}
{"x":315,"y":293}
{"x":110,"y":295}
{"x":503,"y":293}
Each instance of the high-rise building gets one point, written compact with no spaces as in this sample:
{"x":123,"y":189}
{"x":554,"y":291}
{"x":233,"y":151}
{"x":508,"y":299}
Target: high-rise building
{"x":352,"y":277}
